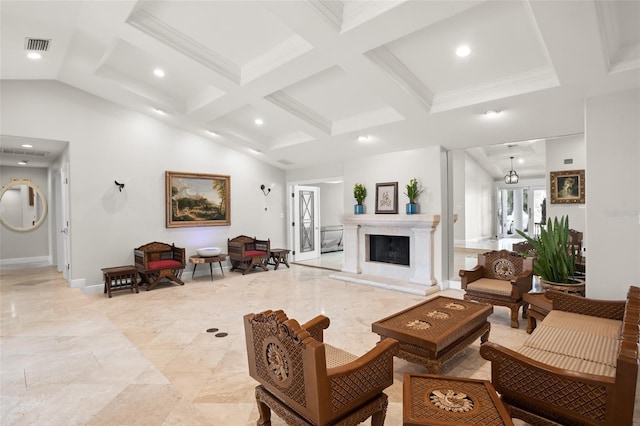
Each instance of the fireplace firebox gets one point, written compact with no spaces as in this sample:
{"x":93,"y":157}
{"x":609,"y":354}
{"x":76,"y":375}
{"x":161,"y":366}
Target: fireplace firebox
{"x":389,"y":249}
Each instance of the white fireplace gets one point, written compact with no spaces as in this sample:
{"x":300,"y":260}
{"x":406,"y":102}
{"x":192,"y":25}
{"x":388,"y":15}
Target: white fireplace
{"x":419,"y":228}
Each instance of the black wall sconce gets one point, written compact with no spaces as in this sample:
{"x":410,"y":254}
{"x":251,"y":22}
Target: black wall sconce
{"x":119,"y":185}
{"x":265,"y":190}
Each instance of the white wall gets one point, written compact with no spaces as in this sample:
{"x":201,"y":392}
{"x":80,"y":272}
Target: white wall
{"x":613,"y":194}
{"x":459,"y":195}
{"x":479,"y":191}
{"x":107,"y":143}
{"x":29,"y":246}
{"x":557,"y":151}
{"x":331,"y":204}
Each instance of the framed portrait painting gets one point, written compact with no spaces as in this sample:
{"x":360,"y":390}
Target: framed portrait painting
{"x":197,"y":199}
{"x":387,"y":197}
{"x":567,"y":187}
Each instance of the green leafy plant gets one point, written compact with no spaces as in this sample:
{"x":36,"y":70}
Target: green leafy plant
{"x":555,"y":258}
{"x":413,"y":191}
{"x":359,"y":193}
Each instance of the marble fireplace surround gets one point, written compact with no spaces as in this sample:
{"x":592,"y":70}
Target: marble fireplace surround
{"x":418,"y":227}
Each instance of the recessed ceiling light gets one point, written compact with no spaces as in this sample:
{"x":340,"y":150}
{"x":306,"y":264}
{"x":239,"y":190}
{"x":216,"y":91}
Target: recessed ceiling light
{"x":26,"y":145}
{"x":492,"y":113}
{"x":23,"y":162}
{"x":258,"y":121}
{"x":521,"y":161}
{"x":158,"y":72}
{"x":463,"y":51}
{"x":34,"y":55}
{"x":363,"y":138}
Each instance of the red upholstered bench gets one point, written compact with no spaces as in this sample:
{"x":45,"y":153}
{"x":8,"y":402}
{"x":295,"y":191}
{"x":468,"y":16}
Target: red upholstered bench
{"x":246,"y":253}
{"x":156,"y":261}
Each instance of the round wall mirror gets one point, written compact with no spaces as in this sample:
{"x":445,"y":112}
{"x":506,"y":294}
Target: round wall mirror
{"x":23,"y":206}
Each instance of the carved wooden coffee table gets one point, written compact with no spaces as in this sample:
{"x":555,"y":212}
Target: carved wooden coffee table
{"x":440,"y":400}
{"x":433,"y":332}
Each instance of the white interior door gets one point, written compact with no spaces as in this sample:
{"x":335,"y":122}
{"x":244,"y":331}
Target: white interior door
{"x":64,"y":225}
{"x":306,"y":225}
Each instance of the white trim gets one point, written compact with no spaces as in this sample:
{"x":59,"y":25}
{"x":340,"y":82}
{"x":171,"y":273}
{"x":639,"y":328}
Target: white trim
{"x":23,"y":260}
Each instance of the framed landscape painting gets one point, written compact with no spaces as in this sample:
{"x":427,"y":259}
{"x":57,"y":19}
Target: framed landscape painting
{"x":387,"y":197}
{"x":197,"y":199}
{"x":567,"y":187}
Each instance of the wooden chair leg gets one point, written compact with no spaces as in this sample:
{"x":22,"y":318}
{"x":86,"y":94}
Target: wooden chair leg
{"x":514,"y":317}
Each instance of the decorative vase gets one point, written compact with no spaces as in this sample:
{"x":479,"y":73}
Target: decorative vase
{"x":412,"y":208}
{"x":358,"y":209}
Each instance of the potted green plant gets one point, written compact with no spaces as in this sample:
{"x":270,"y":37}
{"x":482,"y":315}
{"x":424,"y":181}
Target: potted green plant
{"x":413,"y":191}
{"x":555,"y":256}
{"x":359,"y":193}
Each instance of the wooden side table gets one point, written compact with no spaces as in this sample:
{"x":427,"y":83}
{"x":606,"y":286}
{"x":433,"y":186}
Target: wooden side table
{"x":196,"y":260}
{"x":120,"y":278}
{"x":539,"y":307}
{"x":279,"y":256}
{"x":430,"y":399}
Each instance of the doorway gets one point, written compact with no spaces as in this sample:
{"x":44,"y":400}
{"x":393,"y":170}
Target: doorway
{"x":521,"y":208}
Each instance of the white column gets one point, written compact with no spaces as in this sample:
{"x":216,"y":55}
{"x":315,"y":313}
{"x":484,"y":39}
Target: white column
{"x":351,"y":249}
{"x":422,"y":256}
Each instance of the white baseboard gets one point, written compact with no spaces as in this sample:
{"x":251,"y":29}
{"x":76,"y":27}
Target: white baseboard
{"x":23,"y":260}
{"x":79,"y":283}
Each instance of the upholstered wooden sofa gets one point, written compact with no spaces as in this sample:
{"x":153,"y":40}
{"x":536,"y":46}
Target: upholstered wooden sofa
{"x":156,"y":261}
{"x":578,"y":367}
{"x":245,"y":253}
{"x":308,"y":382}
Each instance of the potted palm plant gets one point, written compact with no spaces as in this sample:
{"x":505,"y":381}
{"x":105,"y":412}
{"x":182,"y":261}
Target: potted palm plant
{"x":413,"y":191}
{"x":555,"y":255}
{"x":359,"y":193}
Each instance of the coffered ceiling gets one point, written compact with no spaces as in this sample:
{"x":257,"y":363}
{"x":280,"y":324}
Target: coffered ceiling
{"x":322,"y":73}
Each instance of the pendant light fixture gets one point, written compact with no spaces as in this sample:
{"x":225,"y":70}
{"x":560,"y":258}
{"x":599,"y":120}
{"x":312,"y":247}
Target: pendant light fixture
{"x":512,"y":176}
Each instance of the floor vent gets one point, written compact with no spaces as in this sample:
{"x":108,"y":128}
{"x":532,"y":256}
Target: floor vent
{"x":37,"y":44}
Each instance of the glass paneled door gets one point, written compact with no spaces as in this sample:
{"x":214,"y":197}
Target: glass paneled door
{"x":519,"y":208}
{"x":306,"y":226}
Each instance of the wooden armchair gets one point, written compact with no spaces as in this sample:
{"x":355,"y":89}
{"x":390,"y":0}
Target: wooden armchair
{"x":500,"y":278}
{"x":308,"y":382}
{"x":156,"y":261}
{"x":246,"y":253}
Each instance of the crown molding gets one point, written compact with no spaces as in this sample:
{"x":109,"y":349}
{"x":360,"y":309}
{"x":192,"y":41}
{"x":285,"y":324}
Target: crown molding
{"x":369,"y":119}
{"x":284,"y":52}
{"x":159,"y":30}
{"x":300,"y":110}
{"x":527,"y":82}
{"x":394,"y":68}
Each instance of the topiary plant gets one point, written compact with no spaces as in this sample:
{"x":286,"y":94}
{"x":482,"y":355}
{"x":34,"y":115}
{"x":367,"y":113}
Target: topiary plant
{"x":359,"y":193}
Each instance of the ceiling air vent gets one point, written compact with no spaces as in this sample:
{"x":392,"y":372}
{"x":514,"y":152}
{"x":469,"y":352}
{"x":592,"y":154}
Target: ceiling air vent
{"x":37,"y":44}
{"x":18,"y":151}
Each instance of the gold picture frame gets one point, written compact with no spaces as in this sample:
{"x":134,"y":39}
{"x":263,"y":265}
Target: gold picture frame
{"x":567,"y":187}
{"x":197,"y":199}
{"x":387,"y":198}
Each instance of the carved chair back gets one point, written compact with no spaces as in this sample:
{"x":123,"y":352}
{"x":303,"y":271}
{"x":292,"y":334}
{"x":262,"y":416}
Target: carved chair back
{"x":504,"y":264}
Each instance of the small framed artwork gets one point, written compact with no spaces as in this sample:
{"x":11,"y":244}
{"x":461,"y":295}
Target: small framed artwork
{"x":196,"y":199}
{"x":567,"y":187}
{"x":387,"y":197}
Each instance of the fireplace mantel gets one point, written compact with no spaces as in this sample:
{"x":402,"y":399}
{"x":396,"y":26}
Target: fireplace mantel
{"x":420,"y":229}
{"x":409,"y":220}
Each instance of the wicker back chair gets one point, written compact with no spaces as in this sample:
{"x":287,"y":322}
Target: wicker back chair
{"x":500,"y":278}
{"x":306,"y":381}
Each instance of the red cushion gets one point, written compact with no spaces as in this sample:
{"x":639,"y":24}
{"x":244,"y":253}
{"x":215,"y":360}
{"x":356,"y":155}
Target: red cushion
{"x":255,"y":253}
{"x":164,"y":264}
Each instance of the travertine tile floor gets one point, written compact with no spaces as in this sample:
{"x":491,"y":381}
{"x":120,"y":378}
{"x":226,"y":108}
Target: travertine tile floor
{"x":68,"y":358}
